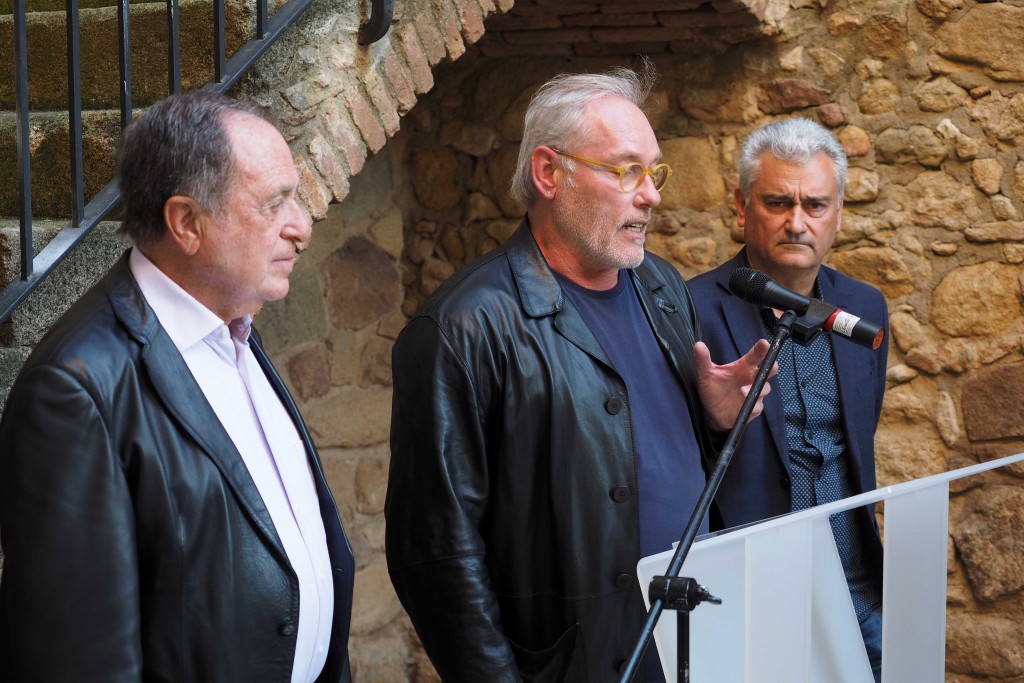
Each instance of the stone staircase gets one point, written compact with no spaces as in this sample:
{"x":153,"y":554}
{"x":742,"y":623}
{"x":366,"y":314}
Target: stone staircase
{"x":46,"y":29}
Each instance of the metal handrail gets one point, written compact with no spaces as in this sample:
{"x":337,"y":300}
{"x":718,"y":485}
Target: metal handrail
{"x":86,"y":216}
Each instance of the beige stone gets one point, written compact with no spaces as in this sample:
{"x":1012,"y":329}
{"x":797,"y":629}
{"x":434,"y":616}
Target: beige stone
{"x":378,"y":659}
{"x":1013,"y":253}
{"x":988,"y":34}
{"x":940,"y":94}
{"x":947,"y":419}
{"x":987,"y":174}
{"x":855,"y":141}
{"x":842,"y":22}
{"x":861,"y":185}
{"x":939,"y":9}
{"x":350,"y":417}
{"x":789,"y":94}
{"x":1002,"y":231}
{"x":479,"y":206}
{"x":1003,"y":208}
{"x":362,"y":284}
{"x":925,"y":358}
{"x":793,"y":59}
{"x":907,"y":451}
{"x":699,"y":252}
{"x":700,"y":185}
{"x":307,"y":371}
{"x":906,"y":331}
{"x":977,"y":301}
{"x":944,"y":248}
{"x":371,"y":485}
{"x":886,"y":33}
{"x":900,"y":374}
{"x":829,"y":61}
{"x":388,"y":233}
{"x":831,"y":114}
{"x":916,"y":144}
{"x":375,"y":363}
{"x":987,"y":536}
{"x":435,"y":179}
{"x":937,"y":199}
{"x":374,"y":603}
{"x":881,"y":266}
{"x":984,"y":647}
{"x":993,"y":403}
{"x":879,"y":96}
{"x":471,"y":138}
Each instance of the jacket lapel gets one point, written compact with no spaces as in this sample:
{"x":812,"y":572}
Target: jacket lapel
{"x":182,"y":398}
{"x":743,"y":321}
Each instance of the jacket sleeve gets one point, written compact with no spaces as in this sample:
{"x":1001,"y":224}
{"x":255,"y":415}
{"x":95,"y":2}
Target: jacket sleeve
{"x":69,"y":606}
{"x":437,"y":498}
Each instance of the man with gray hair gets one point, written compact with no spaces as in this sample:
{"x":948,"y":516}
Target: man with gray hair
{"x":164,"y":512}
{"x":553,"y":410}
{"x":816,"y":443}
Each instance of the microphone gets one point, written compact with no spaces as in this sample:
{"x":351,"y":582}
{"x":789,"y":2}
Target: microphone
{"x":757,"y":288}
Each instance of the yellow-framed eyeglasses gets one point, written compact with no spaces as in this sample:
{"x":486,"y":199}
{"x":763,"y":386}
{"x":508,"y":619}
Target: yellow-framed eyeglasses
{"x":631,"y":176}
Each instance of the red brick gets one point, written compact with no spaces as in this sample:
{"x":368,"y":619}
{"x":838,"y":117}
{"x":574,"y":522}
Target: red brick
{"x":492,"y":48}
{"x":447,"y":16}
{"x":472,"y":22}
{"x":366,"y":120}
{"x":707,"y":19}
{"x":416,"y":59}
{"x":430,"y":37}
{"x":580,"y":20}
{"x":400,"y":84}
{"x":312,"y":193}
{"x":346,"y":138}
{"x":326,"y":161}
{"x":507,"y":22}
{"x":547,"y":37}
{"x":635,"y":35}
{"x":619,"y":49}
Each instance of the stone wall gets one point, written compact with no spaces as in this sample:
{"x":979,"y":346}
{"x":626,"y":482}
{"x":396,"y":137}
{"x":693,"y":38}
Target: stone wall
{"x":927,"y":99}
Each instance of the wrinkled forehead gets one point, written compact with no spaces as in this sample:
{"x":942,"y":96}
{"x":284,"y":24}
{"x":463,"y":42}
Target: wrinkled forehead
{"x":814,"y":176}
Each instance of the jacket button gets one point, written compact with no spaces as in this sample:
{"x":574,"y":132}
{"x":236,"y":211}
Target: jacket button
{"x":623,"y":581}
{"x":784,"y":482}
{"x":613,"y":405}
{"x":287,"y":628}
{"x":620,"y":493}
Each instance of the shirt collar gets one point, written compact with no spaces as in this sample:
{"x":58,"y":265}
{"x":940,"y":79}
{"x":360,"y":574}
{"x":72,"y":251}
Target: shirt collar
{"x":185,"y":320}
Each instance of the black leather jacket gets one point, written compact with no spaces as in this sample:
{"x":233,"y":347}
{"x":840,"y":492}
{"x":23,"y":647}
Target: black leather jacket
{"x":512,"y":518}
{"x":137,"y":546}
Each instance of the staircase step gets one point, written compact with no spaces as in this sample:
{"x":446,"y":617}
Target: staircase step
{"x":7,"y":6}
{"x":47,"y":52}
{"x":69,"y":280}
{"x":50,"y":156}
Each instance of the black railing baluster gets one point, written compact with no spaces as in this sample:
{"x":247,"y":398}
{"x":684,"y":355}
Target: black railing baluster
{"x":228,"y":73}
{"x":173,"y":48}
{"x":21,"y":131}
{"x":75,"y":116}
{"x":218,"y":41}
{"x":261,"y":18}
{"x":125,"y":43}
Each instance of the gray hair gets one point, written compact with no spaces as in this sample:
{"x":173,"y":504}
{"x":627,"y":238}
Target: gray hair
{"x":179,"y":146}
{"x":795,"y":140}
{"x":555,"y":116}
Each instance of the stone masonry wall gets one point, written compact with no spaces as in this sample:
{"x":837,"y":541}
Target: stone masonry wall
{"x":927,"y":99}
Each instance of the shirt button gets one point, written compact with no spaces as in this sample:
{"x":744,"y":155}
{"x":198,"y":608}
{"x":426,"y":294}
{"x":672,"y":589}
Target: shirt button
{"x":287,"y":628}
{"x":613,"y":405}
{"x":784,"y":482}
{"x":623,"y":581}
{"x":620,"y":493}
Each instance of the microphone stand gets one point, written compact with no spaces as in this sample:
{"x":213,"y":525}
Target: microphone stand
{"x":683,"y":594}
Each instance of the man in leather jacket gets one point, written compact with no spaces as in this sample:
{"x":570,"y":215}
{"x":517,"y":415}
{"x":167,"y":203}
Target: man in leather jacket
{"x":163,"y":510}
{"x":552,"y":410}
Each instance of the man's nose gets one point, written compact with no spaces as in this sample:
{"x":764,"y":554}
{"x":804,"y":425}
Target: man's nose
{"x":647,"y":194}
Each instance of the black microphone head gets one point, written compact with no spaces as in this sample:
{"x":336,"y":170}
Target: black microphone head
{"x":748,"y":284}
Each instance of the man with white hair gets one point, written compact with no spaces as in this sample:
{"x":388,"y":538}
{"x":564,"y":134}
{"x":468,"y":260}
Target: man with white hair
{"x":553,"y":410}
{"x":816,"y":443}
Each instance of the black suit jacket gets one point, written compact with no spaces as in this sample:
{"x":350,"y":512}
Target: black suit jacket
{"x":136,"y":544}
{"x":756,"y":485}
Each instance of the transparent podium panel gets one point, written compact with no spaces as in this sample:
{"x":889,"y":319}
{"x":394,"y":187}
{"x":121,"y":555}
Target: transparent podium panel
{"x":786,"y":613}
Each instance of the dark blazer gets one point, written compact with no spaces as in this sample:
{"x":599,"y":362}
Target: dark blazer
{"x":136,"y":544}
{"x":513,"y":524}
{"x":756,"y":485}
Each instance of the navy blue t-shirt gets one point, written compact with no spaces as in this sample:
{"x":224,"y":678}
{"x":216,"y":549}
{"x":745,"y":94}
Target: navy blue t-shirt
{"x":668,"y":458}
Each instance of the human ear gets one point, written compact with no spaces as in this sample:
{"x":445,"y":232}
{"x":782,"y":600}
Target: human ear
{"x":543,"y":168}
{"x":183,"y":218}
